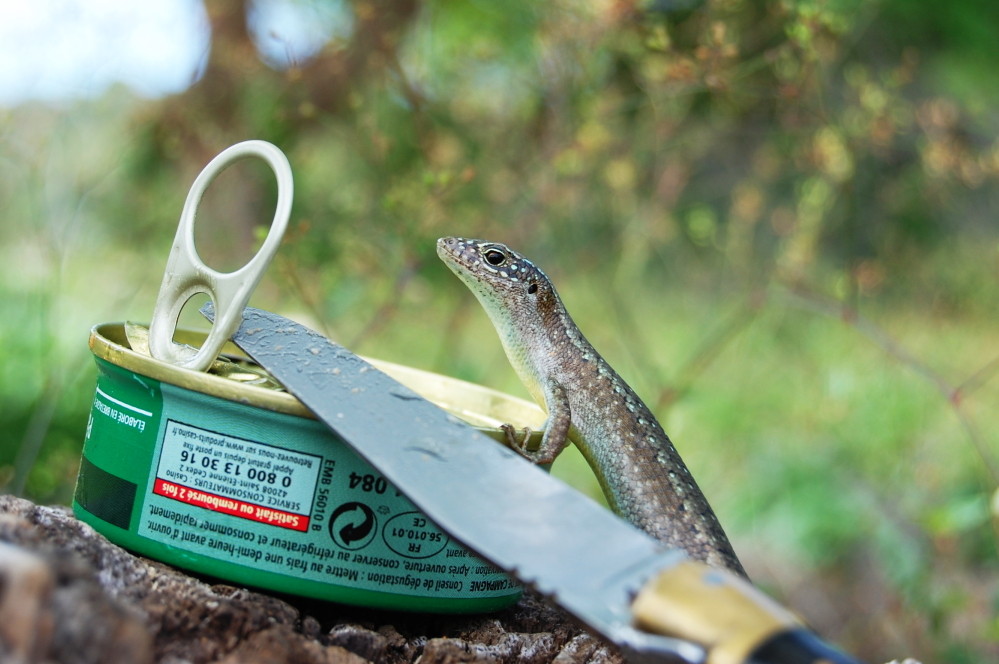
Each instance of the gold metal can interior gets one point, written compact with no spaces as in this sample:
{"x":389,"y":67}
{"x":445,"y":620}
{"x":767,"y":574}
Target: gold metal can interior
{"x":482,"y":407}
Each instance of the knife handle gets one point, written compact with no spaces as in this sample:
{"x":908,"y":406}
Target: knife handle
{"x":798,"y":646}
{"x":730,"y":618}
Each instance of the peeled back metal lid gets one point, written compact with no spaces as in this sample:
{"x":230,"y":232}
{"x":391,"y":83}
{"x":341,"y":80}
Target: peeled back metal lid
{"x":482,"y":407}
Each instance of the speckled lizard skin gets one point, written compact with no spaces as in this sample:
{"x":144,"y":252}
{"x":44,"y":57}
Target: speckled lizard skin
{"x":639,"y":469}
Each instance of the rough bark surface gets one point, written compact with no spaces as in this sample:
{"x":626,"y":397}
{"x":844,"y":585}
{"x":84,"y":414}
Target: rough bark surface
{"x":69,"y":595}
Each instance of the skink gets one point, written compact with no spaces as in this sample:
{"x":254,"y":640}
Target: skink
{"x":638,"y":468}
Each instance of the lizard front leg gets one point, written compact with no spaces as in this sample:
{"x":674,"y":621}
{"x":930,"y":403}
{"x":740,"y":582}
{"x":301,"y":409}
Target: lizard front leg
{"x":556,"y":435}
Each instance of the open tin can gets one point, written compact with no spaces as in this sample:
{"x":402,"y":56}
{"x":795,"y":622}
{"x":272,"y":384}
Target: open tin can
{"x":223,"y":477}
{"x":194,"y":456}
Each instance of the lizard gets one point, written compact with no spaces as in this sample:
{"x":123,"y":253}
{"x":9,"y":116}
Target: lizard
{"x":639,"y":470}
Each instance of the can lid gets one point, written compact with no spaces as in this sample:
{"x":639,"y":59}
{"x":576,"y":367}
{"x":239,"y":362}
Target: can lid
{"x":482,"y":407}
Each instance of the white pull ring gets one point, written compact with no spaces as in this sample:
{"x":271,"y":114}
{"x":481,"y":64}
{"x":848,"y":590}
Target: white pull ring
{"x":186,"y":274}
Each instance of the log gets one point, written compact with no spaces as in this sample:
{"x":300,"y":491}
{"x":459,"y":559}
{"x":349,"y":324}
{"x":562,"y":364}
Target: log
{"x":67,"y":594}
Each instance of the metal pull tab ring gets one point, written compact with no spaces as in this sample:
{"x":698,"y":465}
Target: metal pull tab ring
{"x":186,"y":274}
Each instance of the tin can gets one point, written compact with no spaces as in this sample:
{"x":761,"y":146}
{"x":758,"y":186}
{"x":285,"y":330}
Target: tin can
{"x":240,"y":482}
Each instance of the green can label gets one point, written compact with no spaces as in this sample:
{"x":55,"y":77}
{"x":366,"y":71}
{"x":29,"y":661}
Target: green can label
{"x":267,"y":499}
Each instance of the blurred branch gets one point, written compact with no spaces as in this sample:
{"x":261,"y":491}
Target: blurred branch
{"x":710,"y":348}
{"x":805,"y":298}
{"x":46,"y":406}
{"x":307,"y":296}
{"x":212,"y":114}
{"x":977,"y":379}
{"x":389,"y":307}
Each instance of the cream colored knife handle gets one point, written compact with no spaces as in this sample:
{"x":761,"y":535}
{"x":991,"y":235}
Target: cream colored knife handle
{"x":730,"y":618}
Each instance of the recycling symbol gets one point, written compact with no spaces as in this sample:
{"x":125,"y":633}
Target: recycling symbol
{"x":352,"y":525}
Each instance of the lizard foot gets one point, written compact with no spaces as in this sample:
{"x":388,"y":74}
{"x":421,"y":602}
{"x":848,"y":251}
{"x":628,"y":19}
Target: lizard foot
{"x":518,"y":442}
{"x":520,"y":445}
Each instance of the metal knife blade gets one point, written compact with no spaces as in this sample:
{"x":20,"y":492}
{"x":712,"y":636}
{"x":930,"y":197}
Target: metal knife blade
{"x":496,"y":503}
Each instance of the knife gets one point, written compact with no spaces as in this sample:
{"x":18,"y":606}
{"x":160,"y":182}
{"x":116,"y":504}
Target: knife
{"x":655,"y":604}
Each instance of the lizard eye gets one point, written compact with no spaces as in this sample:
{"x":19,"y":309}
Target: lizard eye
{"x":532,"y":289}
{"x":495,"y":257}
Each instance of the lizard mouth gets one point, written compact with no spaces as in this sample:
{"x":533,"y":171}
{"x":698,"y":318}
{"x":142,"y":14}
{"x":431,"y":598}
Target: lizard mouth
{"x":447,"y":246}
{"x":455,"y":251}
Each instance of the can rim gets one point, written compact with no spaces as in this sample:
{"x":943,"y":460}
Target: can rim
{"x":467,"y":400}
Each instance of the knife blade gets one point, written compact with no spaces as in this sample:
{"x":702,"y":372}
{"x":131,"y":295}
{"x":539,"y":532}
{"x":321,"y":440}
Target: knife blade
{"x":654,"y":604}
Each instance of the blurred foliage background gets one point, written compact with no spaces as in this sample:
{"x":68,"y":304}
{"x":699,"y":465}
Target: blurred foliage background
{"x":775,"y":218}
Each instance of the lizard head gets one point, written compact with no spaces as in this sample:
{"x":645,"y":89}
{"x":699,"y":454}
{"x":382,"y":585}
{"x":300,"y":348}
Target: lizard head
{"x":500,"y":277}
{"x":517,"y":295}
